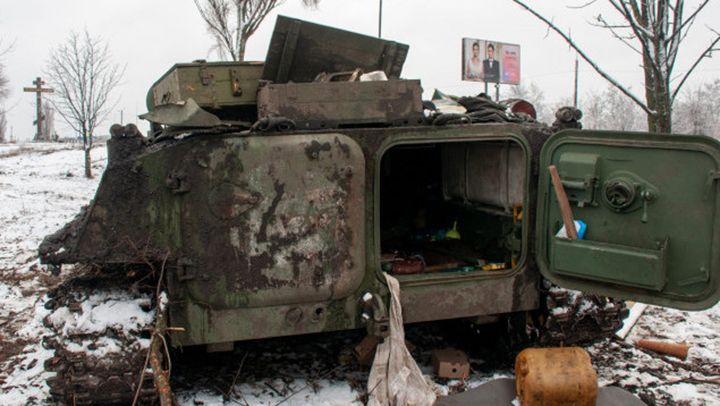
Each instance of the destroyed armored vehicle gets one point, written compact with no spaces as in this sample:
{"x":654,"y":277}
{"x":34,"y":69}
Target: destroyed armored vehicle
{"x":276,"y":195}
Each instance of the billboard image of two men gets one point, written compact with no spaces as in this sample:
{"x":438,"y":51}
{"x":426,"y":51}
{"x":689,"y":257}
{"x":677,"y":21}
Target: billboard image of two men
{"x":494,"y":62}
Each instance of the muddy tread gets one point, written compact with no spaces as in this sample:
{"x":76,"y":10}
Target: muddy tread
{"x":83,"y":378}
{"x":577,"y":318}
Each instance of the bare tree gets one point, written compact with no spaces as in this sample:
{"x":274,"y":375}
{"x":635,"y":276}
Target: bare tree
{"x":534,"y":94}
{"x":83,"y":74}
{"x":4,"y":80}
{"x":611,"y":110}
{"x":696,"y":110}
{"x":4,"y":90}
{"x":655,"y":30}
{"x":232,"y":22}
{"x":3,"y":126}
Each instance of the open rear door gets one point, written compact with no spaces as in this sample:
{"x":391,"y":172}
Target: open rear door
{"x":650,"y":203}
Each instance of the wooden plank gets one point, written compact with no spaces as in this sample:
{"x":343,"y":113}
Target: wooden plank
{"x":564,"y":204}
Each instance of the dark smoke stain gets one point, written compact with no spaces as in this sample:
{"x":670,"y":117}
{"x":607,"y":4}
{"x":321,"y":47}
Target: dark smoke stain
{"x":313,"y":150}
{"x":345,"y":148}
{"x":269,"y":215}
{"x":262,"y":261}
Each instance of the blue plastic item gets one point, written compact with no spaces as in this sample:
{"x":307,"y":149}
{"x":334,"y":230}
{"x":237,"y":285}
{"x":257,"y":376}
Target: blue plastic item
{"x":580,"y":228}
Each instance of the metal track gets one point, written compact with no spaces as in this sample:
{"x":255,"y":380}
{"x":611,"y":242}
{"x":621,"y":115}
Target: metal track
{"x":576,"y":318}
{"x":85,"y":380}
{"x":94,"y":377}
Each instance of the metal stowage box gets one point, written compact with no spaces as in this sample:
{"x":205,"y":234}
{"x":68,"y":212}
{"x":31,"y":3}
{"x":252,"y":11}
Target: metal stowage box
{"x":343,"y":104}
{"x":213,"y":86}
{"x":300,"y":51}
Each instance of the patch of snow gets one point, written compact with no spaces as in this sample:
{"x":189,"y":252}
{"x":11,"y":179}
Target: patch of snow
{"x":25,"y":380}
{"x":559,"y":310}
{"x":118,"y":311}
{"x":299,"y":392}
{"x":163,"y":301}
{"x":686,"y":393}
{"x":586,"y":306}
{"x":43,"y":188}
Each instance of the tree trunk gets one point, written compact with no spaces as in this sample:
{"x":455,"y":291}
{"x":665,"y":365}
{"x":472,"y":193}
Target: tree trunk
{"x":663,"y":122}
{"x":88,"y":164}
{"x":650,"y":92}
{"x":241,"y":48}
{"x":87,"y":145}
{"x":663,"y":118}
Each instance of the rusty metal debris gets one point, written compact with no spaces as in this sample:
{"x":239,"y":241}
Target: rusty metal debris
{"x":677,"y":350}
{"x":450,"y":363}
{"x":365,"y":351}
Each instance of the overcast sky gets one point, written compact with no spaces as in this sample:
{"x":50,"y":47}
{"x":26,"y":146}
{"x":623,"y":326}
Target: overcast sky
{"x":149,"y":36}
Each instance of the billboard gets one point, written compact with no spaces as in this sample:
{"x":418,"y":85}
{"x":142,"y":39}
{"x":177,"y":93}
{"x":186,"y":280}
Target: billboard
{"x":490,"y":61}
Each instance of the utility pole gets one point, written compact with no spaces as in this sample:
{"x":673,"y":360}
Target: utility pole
{"x":575,"y":98}
{"x":380,"y":20}
{"x":38,"y":90}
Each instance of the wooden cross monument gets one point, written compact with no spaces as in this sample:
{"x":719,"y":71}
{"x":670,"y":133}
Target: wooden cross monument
{"x":39,"y":90}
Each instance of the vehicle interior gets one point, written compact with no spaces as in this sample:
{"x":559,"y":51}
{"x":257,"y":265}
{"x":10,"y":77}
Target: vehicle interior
{"x":452,"y":207}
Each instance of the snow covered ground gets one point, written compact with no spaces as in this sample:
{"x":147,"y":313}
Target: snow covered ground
{"x":42,"y":187}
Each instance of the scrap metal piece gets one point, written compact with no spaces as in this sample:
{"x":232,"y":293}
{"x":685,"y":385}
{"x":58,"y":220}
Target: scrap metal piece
{"x":365,"y":351}
{"x":450,"y":363}
{"x":677,"y":350}
{"x":348,"y":76}
{"x":182,"y":114}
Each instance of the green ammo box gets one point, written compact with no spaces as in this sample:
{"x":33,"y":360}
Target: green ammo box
{"x":300,"y":53}
{"x":226,"y":89}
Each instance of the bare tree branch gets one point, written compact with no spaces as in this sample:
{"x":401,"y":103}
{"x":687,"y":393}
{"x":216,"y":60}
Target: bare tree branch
{"x":611,"y":28}
{"x":232,"y":22}
{"x":690,"y":19}
{"x":637,"y":17}
{"x":589,"y":3}
{"x":587,"y":59}
{"x":705,"y":53}
{"x":656,"y":30}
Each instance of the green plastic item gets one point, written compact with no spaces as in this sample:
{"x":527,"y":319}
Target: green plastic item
{"x":453,"y":234}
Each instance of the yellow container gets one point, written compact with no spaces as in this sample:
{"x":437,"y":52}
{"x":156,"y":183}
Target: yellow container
{"x":555,"y":377}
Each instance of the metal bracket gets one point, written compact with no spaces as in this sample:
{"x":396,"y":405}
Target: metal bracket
{"x":205,"y":76}
{"x":176,"y":181}
{"x":237,"y":90}
{"x":184,"y":270}
{"x":375,"y":315}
